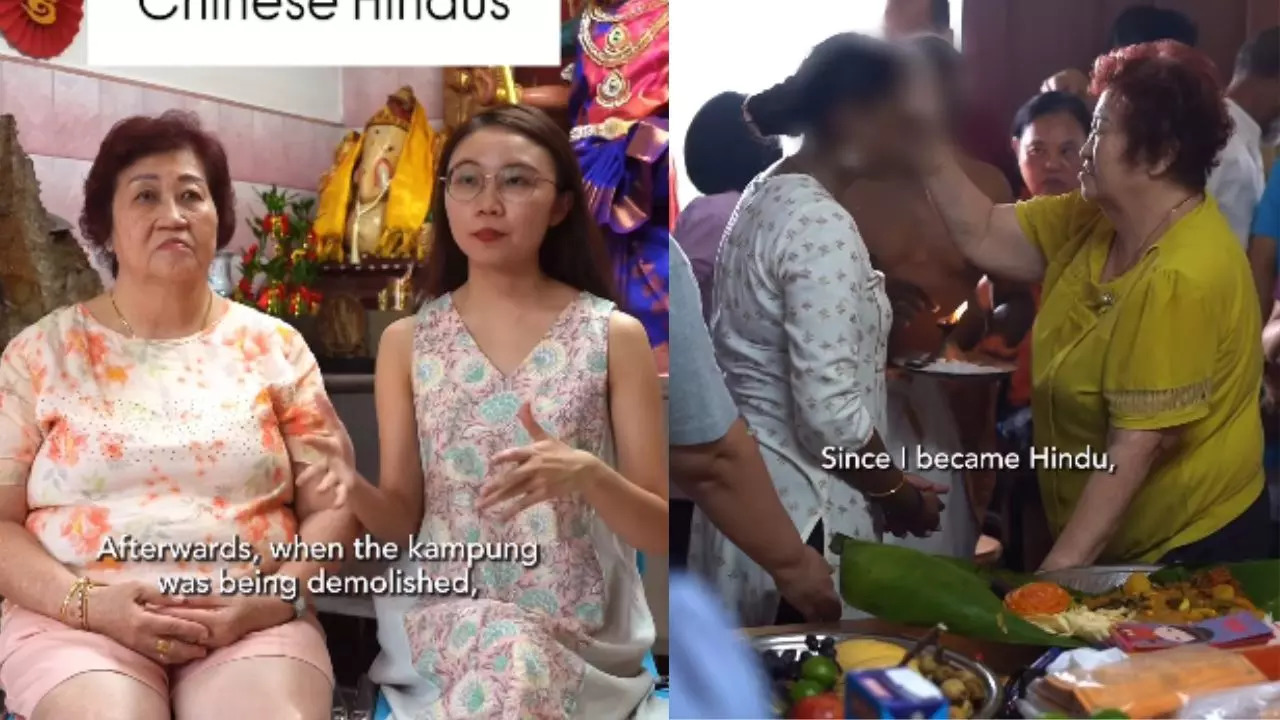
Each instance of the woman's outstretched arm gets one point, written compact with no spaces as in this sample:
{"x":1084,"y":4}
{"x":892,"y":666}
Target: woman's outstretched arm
{"x":988,"y":234}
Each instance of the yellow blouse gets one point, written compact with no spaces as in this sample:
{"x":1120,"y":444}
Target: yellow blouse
{"x":1173,"y":342}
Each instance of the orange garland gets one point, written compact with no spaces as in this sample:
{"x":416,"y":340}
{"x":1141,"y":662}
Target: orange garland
{"x":1038,"y":598}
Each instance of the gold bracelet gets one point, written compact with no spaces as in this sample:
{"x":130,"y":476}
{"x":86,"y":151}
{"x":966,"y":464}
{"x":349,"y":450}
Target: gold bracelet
{"x":882,"y":495}
{"x":75,"y":593}
{"x":84,"y":604}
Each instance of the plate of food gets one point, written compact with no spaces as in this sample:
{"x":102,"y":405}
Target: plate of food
{"x":810,"y":669}
{"x":957,"y":367}
{"x":899,"y":584}
{"x":1093,"y":610}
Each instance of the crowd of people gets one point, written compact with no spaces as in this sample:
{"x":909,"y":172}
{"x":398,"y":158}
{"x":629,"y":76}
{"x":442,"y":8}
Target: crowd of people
{"x":1128,"y":276}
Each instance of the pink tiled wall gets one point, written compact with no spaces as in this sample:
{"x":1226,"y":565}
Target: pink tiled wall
{"x":62,"y":116}
{"x":364,"y":90}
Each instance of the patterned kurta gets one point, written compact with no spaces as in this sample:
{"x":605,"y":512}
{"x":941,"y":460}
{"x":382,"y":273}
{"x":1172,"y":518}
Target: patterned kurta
{"x":801,"y":327}
{"x":562,"y":637}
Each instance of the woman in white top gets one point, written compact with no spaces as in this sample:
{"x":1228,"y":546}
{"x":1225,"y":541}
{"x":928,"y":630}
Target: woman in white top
{"x":801,"y":320}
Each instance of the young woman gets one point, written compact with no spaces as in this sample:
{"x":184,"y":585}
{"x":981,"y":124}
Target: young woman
{"x":498,"y":405}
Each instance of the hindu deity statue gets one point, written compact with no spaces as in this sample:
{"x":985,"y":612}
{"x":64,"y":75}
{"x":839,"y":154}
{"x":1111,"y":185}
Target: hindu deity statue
{"x":470,"y":90}
{"x":374,"y":201}
{"x":619,"y":106}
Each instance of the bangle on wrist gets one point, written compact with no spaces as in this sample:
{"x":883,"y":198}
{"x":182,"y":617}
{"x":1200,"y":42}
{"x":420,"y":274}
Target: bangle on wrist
{"x":902,"y":481}
{"x":77,"y":601}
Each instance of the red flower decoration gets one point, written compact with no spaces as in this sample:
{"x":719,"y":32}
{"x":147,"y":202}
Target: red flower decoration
{"x":41,"y":29}
{"x":275,"y":224}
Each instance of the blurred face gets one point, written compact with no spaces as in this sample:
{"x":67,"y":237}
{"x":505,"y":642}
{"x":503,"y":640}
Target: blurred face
{"x":164,"y":223}
{"x":883,"y":138}
{"x":1105,"y":173}
{"x":501,"y":198}
{"x":875,"y":139}
{"x":904,"y":18}
{"x":1049,"y":154}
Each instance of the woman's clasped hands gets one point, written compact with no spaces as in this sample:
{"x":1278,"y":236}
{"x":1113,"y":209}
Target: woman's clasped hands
{"x":129,"y":613}
{"x":172,"y":629}
{"x":545,"y":469}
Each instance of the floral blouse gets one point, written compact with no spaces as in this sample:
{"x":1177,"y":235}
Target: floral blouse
{"x":176,"y":444}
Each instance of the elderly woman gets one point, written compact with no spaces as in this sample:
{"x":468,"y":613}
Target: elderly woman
{"x":154,"y":420}
{"x":1147,"y":344}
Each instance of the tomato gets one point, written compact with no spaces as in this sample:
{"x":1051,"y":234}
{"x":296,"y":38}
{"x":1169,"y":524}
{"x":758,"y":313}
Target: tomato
{"x":819,"y":707}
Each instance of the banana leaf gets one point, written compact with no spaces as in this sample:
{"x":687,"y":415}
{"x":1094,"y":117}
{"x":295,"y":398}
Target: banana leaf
{"x":910,"y":587}
{"x":907,"y":586}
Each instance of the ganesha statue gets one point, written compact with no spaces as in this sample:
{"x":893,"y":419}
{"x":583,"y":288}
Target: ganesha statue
{"x":374,"y":201}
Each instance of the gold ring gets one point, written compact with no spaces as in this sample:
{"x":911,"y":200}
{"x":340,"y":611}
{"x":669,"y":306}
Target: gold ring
{"x":163,"y":646}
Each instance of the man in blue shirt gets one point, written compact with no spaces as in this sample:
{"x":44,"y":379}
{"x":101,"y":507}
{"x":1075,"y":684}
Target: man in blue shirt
{"x":1262,"y":246}
{"x":714,"y":673}
{"x":1265,"y":259}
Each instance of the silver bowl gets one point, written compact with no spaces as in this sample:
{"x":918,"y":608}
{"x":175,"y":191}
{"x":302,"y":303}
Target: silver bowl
{"x":1095,"y":580}
{"x":988,"y":709}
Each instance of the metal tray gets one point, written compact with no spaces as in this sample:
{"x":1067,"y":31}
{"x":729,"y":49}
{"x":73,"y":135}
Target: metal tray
{"x":782,"y":643}
{"x":1095,"y":580}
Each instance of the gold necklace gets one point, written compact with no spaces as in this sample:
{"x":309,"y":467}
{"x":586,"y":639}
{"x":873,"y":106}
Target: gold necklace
{"x":1153,"y":235}
{"x":596,"y":11}
{"x":618,"y":49}
{"x":614,"y":90}
{"x":129,"y":328}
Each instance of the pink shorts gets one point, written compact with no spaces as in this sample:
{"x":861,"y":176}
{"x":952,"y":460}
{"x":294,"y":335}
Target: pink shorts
{"x":38,"y":653}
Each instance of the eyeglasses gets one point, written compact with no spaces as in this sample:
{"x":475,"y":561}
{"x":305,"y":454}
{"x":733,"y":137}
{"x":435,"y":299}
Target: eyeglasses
{"x":465,"y":183}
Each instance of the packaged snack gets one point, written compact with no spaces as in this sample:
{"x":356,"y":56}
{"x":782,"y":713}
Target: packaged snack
{"x":1155,"y":684}
{"x":1235,"y":630}
{"x":1256,"y":701}
{"x":899,"y":692}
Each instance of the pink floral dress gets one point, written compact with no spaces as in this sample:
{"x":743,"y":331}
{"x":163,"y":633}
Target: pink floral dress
{"x":563,"y":637}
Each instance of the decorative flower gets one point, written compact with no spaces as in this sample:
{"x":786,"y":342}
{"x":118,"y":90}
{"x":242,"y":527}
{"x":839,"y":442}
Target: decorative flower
{"x":285,"y":256}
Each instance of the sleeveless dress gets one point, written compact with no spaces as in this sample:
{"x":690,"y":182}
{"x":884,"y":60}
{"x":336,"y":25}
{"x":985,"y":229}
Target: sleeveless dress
{"x":562,"y":637}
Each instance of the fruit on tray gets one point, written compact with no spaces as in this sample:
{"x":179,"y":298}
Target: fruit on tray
{"x":819,"y":707}
{"x":805,"y":682}
{"x":865,"y":654}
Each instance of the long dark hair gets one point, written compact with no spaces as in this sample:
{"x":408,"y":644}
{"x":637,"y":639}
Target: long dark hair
{"x":844,"y":67}
{"x":573,"y":251}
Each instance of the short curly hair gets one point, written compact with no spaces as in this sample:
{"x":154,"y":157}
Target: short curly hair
{"x":135,"y":138}
{"x":1171,"y":105}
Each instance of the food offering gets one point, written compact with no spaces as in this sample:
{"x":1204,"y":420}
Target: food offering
{"x":1069,"y":609}
{"x":808,"y":673}
{"x":1207,"y":594}
{"x":1204,"y":595}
